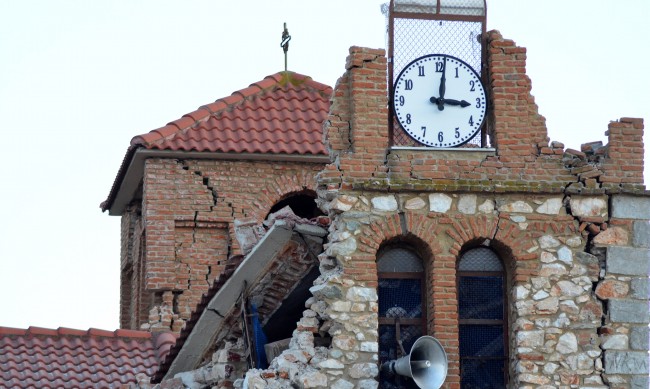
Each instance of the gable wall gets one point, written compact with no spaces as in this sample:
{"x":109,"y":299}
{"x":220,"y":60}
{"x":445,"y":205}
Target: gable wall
{"x":187,"y":226}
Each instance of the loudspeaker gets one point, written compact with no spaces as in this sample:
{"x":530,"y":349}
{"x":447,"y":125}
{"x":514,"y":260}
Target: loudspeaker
{"x":426,"y":364}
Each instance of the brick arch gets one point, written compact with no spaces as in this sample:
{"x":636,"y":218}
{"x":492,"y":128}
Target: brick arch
{"x":303,"y":203}
{"x":279,"y":188}
{"x":390,"y":227}
{"x":424,"y":232}
{"x":511,"y":243}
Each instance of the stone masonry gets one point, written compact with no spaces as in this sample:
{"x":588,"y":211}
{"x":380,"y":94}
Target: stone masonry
{"x":571,"y":227}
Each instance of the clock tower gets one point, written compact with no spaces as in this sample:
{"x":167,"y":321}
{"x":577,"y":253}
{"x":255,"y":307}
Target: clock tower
{"x":437,"y":48}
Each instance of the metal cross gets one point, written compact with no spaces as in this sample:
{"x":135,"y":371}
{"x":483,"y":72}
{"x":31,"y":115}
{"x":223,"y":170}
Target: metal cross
{"x":285,"y":44}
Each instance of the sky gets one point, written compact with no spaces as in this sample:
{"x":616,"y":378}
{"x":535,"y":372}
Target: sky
{"x":80,"y":78}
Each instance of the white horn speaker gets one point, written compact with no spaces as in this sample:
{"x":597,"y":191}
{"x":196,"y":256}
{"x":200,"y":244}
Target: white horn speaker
{"x":426,"y":364}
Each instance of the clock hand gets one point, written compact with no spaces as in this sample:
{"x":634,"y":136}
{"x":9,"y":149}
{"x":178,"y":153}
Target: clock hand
{"x":441,"y":100}
{"x":462,"y":103}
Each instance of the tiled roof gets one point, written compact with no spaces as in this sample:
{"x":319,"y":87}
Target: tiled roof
{"x":284,"y":113}
{"x":67,"y":358}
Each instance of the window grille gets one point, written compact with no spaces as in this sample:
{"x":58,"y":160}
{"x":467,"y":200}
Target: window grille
{"x":401,"y":295}
{"x":482,"y":320}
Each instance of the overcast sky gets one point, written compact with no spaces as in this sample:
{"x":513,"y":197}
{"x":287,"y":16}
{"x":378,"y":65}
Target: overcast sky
{"x":79,"y":79}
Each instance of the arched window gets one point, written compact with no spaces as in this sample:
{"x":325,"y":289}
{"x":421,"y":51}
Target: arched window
{"x":482,"y":320}
{"x":400,"y":290}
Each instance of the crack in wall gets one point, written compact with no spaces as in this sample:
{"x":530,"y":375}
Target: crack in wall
{"x":589,"y":235}
{"x":205,"y":181}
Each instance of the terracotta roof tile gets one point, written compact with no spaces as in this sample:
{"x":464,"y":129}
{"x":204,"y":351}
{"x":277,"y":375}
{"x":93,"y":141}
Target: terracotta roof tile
{"x":70,"y":358}
{"x":284,"y":113}
{"x":281,"y":114}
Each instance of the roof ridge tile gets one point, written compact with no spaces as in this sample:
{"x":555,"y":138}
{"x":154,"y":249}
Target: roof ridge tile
{"x":182,"y":123}
{"x":232,"y":99}
{"x":266,"y":83}
{"x":102,"y":333}
{"x":277,"y":77}
{"x":215,"y":107}
{"x":198,"y":115}
{"x":12,"y":331}
{"x":71,"y":332}
{"x":125,"y":333}
{"x":247,"y":92}
{"x":33,"y":330}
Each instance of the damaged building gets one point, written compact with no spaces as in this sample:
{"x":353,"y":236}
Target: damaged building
{"x":298,"y":235}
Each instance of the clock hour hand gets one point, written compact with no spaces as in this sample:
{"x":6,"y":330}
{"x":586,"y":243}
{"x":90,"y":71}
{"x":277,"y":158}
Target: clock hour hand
{"x":441,"y":101}
{"x":462,"y":103}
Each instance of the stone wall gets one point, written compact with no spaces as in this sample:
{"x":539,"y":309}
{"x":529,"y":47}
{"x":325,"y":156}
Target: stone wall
{"x":543,"y":209}
{"x":624,"y":287}
{"x":178,"y":241}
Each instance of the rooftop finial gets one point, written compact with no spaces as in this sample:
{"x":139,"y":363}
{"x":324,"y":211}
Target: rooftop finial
{"x":285,"y":44}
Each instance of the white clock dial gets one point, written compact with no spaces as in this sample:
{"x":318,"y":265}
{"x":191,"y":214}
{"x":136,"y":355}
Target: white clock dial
{"x":439,"y":101}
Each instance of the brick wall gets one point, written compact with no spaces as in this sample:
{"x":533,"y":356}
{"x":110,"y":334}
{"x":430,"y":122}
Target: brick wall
{"x":134,"y":300}
{"x":187,"y":226}
{"x":624,"y":162}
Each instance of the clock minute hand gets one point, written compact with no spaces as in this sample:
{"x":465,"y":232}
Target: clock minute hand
{"x":441,"y":90}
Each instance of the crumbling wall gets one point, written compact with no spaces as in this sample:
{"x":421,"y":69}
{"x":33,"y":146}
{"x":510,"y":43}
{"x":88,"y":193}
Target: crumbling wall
{"x":134,"y":300}
{"x":187,"y":224}
{"x":545,"y":210}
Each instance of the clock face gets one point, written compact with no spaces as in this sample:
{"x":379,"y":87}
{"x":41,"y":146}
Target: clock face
{"x":439,"y":101}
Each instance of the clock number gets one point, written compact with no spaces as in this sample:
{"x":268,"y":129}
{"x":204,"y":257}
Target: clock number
{"x":457,"y":133}
{"x":408,"y":118}
{"x":478,"y":102}
{"x":401,"y":101}
{"x":471,"y":85}
{"x":471,"y":120}
{"x":424,"y":131}
{"x":456,"y":71}
{"x":421,"y":71}
{"x":408,"y":84}
{"x":440,"y":66}
{"x":440,"y":137}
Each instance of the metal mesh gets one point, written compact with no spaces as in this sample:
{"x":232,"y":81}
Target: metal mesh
{"x":453,"y":7}
{"x":388,"y":350}
{"x":480,"y":341}
{"x":400,"y":298}
{"x":399,"y":294}
{"x":414,"y":37}
{"x":481,"y":314}
{"x":480,"y":259}
{"x":482,"y":374}
{"x":480,"y":298}
{"x":399,"y":260}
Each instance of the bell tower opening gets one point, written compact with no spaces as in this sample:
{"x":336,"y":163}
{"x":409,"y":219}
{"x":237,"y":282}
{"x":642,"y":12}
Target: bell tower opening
{"x":303,"y":204}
